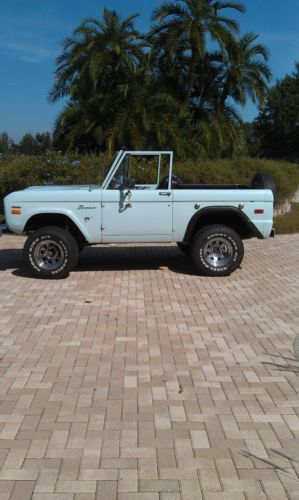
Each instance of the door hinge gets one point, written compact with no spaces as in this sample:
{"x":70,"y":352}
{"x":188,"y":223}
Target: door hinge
{"x":102,"y":228}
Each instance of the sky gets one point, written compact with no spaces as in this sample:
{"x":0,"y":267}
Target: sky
{"x":32,"y":31}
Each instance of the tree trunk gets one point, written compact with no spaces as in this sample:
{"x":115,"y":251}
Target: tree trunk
{"x":191,"y":75}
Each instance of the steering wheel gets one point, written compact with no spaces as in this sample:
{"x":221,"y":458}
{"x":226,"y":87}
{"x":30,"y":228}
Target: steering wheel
{"x":123,"y":182}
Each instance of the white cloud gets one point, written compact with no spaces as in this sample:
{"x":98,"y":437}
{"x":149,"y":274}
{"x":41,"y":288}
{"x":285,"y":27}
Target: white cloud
{"x":25,"y":45}
{"x":27,"y":50}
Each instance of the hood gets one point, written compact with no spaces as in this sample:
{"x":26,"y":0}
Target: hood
{"x":63,"y":188}
{"x":58,"y":194}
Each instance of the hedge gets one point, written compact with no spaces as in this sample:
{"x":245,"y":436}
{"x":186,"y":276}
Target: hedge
{"x":241,"y":171}
{"x":18,"y":172}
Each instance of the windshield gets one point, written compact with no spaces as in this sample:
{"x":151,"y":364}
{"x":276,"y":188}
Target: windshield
{"x":107,"y":168}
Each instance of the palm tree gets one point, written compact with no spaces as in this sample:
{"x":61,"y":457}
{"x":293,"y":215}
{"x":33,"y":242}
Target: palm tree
{"x":98,"y":55}
{"x":139,"y":115}
{"x":189,"y":25}
{"x":247,"y":74}
{"x":148,"y":116}
{"x":166,"y":90}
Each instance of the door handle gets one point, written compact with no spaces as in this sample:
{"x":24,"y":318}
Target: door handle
{"x":164,"y":193}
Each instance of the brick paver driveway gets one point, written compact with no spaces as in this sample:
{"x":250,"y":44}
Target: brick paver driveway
{"x":135,"y":379}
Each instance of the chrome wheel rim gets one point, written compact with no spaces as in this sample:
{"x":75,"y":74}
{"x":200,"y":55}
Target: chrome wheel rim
{"x":218,"y":252}
{"x":49,"y":255}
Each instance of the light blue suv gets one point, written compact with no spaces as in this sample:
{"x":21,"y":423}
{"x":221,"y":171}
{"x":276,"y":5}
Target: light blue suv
{"x":141,"y":200}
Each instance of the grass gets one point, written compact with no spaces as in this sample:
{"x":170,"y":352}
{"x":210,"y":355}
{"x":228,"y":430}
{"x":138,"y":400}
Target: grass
{"x":288,"y":223}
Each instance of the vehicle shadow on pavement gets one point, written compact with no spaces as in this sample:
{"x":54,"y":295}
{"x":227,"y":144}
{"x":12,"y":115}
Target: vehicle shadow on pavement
{"x":146,"y":257}
{"x":112,"y":258}
{"x":10,"y":258}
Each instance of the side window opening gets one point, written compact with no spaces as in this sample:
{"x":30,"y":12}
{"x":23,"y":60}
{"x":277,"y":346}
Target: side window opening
{"x":141,"y":172}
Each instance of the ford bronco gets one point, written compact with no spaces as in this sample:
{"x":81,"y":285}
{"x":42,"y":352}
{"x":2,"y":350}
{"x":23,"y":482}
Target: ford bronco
{"x":141,"y":200}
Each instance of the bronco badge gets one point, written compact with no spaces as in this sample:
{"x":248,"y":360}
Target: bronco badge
{"x":83,"y":207}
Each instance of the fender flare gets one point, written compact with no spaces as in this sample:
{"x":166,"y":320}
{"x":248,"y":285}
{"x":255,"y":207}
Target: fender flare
{"x":64,"y":213}
{"x":223,"y":210}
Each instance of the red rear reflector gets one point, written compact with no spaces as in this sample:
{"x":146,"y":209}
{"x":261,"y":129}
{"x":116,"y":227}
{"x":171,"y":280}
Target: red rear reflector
{"x":259,"y":211}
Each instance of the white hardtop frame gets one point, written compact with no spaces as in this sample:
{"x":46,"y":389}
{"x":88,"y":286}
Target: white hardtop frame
{"x":123,"y":152}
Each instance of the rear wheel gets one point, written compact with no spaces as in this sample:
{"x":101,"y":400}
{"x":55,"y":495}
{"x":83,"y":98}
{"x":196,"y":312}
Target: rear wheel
{"x":51,"y":252}
{"x":216,"y":251}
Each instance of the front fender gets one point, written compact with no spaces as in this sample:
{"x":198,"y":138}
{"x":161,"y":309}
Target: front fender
{"x":89,"y":228}
{"x":68,"y":213}
{"x":81,"y":206}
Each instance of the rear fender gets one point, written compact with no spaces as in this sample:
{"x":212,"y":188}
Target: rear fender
{"x":229,"y":216}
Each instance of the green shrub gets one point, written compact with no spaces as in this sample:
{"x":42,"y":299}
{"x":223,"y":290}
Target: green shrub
{"x":18,"y":172}
{"x":240,"y":171}
{"x":288,"y":223}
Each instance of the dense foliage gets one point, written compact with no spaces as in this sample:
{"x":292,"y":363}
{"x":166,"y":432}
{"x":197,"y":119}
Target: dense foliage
{"x":20,"y":171}
{"x":276,"y":130}
{"x":28,"y":145}
{"x":175,"y":87}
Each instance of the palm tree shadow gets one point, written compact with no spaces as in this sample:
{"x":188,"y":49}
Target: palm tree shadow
{"x":112,"y":258}
{"x":271,"y":464}
{"x":284,"y":364}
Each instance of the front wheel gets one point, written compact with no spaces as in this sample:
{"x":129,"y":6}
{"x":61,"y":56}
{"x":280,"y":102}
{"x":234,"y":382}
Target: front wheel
{"x":216,"y":251}
{"x":51,"y":252}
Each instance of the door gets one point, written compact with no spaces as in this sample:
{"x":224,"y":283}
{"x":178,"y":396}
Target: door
{"x":137,"y":201}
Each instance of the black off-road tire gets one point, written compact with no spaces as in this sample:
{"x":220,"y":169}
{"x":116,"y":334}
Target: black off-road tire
{"x":216,"y":251}
{"x":51,"y":253}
